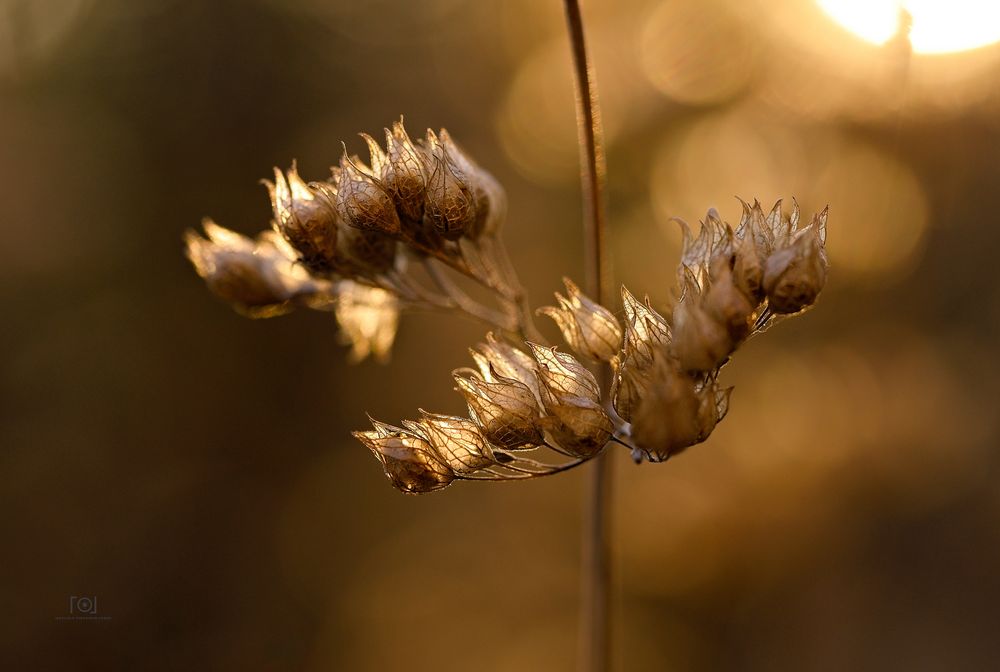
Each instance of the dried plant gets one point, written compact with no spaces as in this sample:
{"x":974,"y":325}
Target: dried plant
{"x":396,"y":233}
{"x":348,"y":245}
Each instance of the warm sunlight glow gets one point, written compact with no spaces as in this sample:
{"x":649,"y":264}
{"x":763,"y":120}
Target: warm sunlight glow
{"x":938,"y":27}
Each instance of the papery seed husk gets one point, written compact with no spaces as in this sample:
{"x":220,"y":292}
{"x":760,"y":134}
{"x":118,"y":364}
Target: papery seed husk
{"x":458,"y":442}
{"x":408,"y":462}
{"x":700,"y":342}
{"x":563,"y":375}
{"x":450,"y":204}
{"x":506,"y":411}
{"x":795,"y":275}
{"x":404,"y":174}
{"x":748,"y":270}
{"x":726,"y":303}
{"x":628,"y":384}
{"x":672,"y":415}
{"x":362,"y":202}
{"x":646,"y":331}
{"x":599,"y":333}
{"x":579,"y":426}
{"x":258,"y":278}
{"x":489,"y":197}
{"x":366,"y":250}
{"x":509,"y":362}
{"x":306,"y":218}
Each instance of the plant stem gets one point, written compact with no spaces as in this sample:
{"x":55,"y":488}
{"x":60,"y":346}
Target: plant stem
{"x":593,"y":167}
{"x":595,"y":624}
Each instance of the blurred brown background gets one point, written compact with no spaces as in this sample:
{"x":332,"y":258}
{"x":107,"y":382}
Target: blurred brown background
{"x":193,"y":469}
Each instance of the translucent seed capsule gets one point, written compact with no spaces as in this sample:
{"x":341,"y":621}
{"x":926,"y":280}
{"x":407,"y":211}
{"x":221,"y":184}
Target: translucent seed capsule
{"x":588,"y":327}
{"x":306,"y":218}
{"x":362,"y":202}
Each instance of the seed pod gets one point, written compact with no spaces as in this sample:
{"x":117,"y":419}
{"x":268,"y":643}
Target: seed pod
{"x":714,"y":238}
{"x":572,"y":399}
{"x":748,"y":270}
{"x":259,"y":278}
{"x":504,"y":359}
{"x":408,"y":460}
{"x":726,"y":303}
{"x":377,"y":158}
{"x":588,"y":327}
{"x":562,"y":375}
{"x":450,"y":205}
{"x":403,"y":173}
{"x":628,"y":383}
{"x":366,"y":251}
{"x":757,"y":228}
{"x":505,"y":410}
{"x":362,"y":202}
{"x":580,"y":426}
{"x":457,"y":442}
{"x":674,"y":414}
{"x":306,"y":218}
{"x":368,"y":318}
{"x":646,"y":331}
{"x":700,"y":341}
{"x":795,"y":274}
{"x":489,"y":196}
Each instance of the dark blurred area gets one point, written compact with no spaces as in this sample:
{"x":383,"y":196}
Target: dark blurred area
{"x":193,"y":470}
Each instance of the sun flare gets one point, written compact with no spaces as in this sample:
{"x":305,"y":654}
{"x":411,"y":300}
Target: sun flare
{"x":937,"y":27}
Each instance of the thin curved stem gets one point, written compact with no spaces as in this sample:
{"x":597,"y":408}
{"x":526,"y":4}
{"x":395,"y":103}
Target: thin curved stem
{"x":623,"y":443}
{"x":557,"y":448}
{"x":466,"y":302}
{"x":595,"y":620}
{"x":523,"y":474}
{"x":457,"y":263}
{"x":519,"y":299}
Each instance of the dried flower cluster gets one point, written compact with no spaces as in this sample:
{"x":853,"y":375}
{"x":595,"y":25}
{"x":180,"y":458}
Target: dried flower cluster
{"x":348,"y":244}
{"x":734,"y":283}
{"x":664,"y":395}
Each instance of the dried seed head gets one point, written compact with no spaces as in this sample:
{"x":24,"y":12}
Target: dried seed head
{"x":407,"y":458}
{"x":362,"y":202}
{"x":490,"y":199}
{"x":561,"y":375}
{"x":748,"y":270}
{"x":403,"y":173}
{"x":795,"y":274}
{"x":759,"y":228}
{"x":674,"y":413}
{"x":572,"y":399}
{"x":505,"y":409}
{"x":714,"y":239}
{"x":365,"y":252}
{"x":368,"y":318}
{"x":627,"y":384}
{"x":580,"y":426}
{"x":377,"y":158}
{"x":457,"y":442}
{"x":588,"y":327}
{"x":259,"y":278}
{"x":496,"y":356}
{"x":306,"y":218}
{"x":646,"y":331}
{"x":450,"y":205}
{"x":700,"y":341}
{"x":726,"y":303}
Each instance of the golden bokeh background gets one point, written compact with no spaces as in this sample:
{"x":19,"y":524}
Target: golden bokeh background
{"x":193,"y":470}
